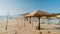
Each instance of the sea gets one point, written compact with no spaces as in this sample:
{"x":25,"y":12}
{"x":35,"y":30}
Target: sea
{"x":3,"y":17}
{"x":9,"y":17}
{"x":53,"y":21}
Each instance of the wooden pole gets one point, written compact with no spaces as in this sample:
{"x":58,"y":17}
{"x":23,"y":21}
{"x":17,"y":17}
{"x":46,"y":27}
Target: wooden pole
{"x":24,"y":21}
{"x":7,"y":20}
{"x":30,"y":20}
{"x":27,"y":19}
{"x":17,"y":23}
{"x":48,"y":20}
{"x":39,"y":24}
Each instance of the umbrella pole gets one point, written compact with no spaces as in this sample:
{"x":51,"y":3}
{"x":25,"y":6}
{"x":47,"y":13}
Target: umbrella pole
{"x":39,"y":24}
{"x":24,"y":21}
{"x":27,"y":19}
{"x":30,"y":20}
{"x":48,"y":20}
{"x":7,"y":21}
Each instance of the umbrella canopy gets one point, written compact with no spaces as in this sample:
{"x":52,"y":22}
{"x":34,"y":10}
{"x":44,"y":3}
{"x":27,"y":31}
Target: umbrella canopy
{"x":58,"y":16}
{"x":39,"y":13}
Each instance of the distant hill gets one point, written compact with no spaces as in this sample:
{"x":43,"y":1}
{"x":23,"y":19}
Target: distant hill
{"x":25,"y":14}
{"x":52,"y":13}
{"x":58,"y":14}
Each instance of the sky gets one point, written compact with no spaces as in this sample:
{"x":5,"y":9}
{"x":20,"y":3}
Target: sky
{"x":15,"y":7}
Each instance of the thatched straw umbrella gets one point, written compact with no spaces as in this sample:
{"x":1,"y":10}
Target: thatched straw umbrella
{"x":57,"y":16}
{"x":38,"y":14}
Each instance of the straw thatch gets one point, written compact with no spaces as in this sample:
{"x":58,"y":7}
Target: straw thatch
{"x":39,"y":13}
{"x":58,"y":16}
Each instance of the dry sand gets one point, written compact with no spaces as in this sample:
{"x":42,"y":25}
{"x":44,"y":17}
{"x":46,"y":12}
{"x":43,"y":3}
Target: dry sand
{"x":24,"y":27}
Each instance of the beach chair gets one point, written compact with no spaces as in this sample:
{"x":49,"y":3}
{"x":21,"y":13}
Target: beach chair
{"x":40,"y":32}
{"x":36,"y":27}
{"x":51,"y":32}
{"x":44,"y":32}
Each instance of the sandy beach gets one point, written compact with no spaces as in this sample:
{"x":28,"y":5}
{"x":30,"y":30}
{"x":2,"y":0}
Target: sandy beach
{"x":21,"y":26}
